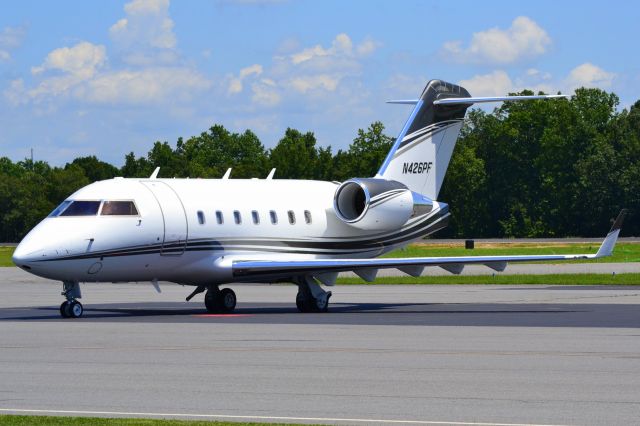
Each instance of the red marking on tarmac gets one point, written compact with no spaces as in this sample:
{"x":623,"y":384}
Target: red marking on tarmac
{"x":221,"y":315}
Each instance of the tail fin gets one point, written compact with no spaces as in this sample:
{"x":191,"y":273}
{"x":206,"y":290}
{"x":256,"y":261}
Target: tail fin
{"x":420,"y":155}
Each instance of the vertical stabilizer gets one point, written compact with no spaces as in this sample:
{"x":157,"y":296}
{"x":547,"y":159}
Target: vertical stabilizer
{"x":420,"y":155}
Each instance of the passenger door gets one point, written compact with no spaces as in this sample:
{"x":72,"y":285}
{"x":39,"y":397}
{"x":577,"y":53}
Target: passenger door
{"x":174,"y":217}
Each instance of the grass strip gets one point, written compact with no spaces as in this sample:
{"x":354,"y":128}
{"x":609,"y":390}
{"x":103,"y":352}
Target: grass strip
{"x":5,"y":256}
{"x":15,"y":420}
{"x":553,"y":279}
{"x":624,"y":252}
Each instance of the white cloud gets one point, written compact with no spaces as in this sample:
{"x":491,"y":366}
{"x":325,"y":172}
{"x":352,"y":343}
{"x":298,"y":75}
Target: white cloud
{"x":235,"y":83}
{"x":589,"y":75}
{"x":81,"y":60}
{"x":143,"y":7}
{"x":146,"y":86}
{"x":10,"y":38}
{"x":265,"y":93}
{"x":524,"y":39}
{"x":340,"y":46}
{"x":498,"y":82}
{"x":152,"y":74}
{"x":314,"y":71}
{"x":314,"y":82}
{"x":146,"y":29}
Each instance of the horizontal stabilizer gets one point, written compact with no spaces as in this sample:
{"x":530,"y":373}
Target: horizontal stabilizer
{"x":404,"y":101}
{"x":472,"y":100}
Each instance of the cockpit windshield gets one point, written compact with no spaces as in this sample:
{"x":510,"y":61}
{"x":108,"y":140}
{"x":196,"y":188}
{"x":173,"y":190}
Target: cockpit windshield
{"x":60,"y":208}
{"x":81,"y":208}
{"x":91,"y":208}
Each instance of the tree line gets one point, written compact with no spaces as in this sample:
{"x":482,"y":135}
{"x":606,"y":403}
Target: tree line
{"x":527,"y":169}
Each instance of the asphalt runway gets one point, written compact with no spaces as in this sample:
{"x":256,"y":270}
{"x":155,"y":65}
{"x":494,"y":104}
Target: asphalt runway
{"x":409,"y":354}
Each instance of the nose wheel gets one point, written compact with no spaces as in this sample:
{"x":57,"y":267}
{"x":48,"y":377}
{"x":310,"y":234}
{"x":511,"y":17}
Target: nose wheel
{"x":71,"y":308}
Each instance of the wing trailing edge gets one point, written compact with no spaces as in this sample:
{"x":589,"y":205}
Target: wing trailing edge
{"x":367,"y":268}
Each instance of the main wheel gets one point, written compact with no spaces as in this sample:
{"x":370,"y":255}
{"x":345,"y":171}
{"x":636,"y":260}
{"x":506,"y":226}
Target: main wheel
{"x":228,"y":300}
{"x":75,"y":309}
{"x":63,"y":309}
{"x":212,"y":300}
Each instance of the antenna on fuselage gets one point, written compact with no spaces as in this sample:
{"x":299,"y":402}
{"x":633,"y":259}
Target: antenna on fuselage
{"x":271,"y":173}
{"x":227,"y":173}
{"x":154,"y":175}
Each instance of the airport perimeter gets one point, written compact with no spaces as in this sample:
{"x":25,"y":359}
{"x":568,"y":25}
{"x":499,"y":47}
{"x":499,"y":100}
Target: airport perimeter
{"x":384,"y":354}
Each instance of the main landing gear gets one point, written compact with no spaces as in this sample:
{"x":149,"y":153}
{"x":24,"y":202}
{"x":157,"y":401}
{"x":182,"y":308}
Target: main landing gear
{"x":71,"y":308}
{"x":220,"y":301}
{"x":217,"y":301}
{"x":311,"y":297}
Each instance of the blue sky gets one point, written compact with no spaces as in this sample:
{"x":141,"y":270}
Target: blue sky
{"x":106,"y":78}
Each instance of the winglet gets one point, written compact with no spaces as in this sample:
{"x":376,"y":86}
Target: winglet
{"x":227,"y":173}
{"x":612,"y":237}
{"x":154,"y":175}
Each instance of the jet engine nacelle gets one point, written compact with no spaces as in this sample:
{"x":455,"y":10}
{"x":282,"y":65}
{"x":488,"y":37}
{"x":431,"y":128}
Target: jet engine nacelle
{"x":378,"y":204}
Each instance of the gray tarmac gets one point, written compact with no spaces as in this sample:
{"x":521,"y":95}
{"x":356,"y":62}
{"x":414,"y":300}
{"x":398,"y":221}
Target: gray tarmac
{"x":405,"y":354}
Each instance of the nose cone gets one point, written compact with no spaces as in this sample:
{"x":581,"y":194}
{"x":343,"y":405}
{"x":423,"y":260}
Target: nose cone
{"x":24,"y":254}
{"x":29,"y":250}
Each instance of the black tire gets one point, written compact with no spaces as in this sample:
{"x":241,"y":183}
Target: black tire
{"x":212,"y":301}
{"x":75,"y":309}
{"x":300,"y":303}
{"x":63,"y":309}
{"x":227,"y":300}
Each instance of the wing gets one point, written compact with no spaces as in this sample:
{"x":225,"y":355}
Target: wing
{"x":367,"y":268}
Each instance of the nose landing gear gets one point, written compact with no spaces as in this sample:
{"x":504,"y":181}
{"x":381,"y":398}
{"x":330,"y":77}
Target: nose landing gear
{"x":71,"y":308}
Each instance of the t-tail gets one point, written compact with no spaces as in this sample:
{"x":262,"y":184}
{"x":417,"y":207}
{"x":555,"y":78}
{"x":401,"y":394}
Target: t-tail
{"x":420,"y":155}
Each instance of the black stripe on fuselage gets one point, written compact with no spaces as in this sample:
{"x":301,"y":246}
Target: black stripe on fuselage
{"x":414,"y":231}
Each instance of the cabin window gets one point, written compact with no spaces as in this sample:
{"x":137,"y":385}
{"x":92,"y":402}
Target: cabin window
{"x":307,"y":217}
{"x":292,"y":217}
{"x":200,"y":217}
{"x":81,"y":208}
{"x":219,"y":217}
{"x":255,"y":216}
{"x":119,"y":208}
{"x":274,"y":217}
{"x":236,"y":217}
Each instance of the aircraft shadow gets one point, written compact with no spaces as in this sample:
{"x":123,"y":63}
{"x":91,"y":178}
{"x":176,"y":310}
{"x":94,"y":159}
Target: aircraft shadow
{"x":417,"y":314}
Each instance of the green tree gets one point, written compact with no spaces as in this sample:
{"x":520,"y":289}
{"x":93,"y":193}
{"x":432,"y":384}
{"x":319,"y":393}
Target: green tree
{"x":295,"y":156}
{"x":95,"y":169}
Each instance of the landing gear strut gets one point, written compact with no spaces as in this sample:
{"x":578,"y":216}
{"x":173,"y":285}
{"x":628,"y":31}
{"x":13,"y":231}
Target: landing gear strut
{"x":311,"y":297}
{"x":220,"y":301}
{"x":71,"y":308}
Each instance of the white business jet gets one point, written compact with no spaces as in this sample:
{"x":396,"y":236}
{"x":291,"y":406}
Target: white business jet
{"x":208,"y":233}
